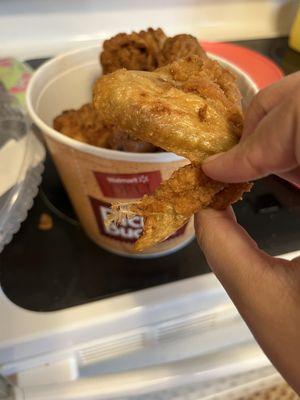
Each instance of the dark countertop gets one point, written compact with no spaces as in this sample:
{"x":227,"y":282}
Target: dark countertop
{"x":50,"y":270}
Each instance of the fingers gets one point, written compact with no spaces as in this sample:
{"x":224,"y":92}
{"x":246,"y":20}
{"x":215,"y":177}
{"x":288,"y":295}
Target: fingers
{"x":233,"y":256}
{"x":267,"y":99}
{"x":272,"y":148}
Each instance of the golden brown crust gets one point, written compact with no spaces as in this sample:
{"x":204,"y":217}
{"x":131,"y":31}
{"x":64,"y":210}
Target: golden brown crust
{"x":144,"y":51}
{"x":232,"y":193}
{"x":190,"y":107}
{"x":175,"y":201}
{"x":186,"y":191}
{"x":209,"y":80}
{"x":206,"y":77}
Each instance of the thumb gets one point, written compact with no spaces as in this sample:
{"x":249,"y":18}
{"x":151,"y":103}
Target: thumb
{"x":264,"y":289}
{"x":270,"y":149}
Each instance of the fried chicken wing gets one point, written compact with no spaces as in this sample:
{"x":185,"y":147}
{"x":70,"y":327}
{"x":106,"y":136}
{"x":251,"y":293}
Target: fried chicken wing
{"x":143,"y":51}
{"x":175,"y":201}
{"x":190,"y":107}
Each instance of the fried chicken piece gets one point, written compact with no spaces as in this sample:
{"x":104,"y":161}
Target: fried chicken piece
{"x":123,"y":142}
{"x":190,"y":107}
{"x":143,"y":51}
{"x":229,"y":195}
{"x":175,"y":201}
{"x":84,"y":125}
{"x":134,"y":51}
{"x":146,"y":50}
{"x":181,"y":46}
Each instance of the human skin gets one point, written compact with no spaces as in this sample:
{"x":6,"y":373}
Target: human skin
{"x":266,"y":290}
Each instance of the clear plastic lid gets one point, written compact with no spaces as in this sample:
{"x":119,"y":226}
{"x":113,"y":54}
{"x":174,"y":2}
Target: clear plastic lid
{"x":21,"y":165}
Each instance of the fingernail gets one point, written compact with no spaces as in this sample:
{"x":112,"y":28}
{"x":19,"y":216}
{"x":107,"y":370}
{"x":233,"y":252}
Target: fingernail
{"x":212,"y":158}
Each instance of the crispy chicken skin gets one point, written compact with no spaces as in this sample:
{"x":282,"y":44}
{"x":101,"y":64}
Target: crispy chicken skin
{"x":163,"y":93}
{"x":190,"y":107}
{"x":175,"y":201}
{"x":146,"y":50}
{"x":143,"y":51}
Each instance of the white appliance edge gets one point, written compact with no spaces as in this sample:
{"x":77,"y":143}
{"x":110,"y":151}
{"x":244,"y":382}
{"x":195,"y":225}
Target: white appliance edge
{"x":33,"y":28}
{"x":27,"y":335}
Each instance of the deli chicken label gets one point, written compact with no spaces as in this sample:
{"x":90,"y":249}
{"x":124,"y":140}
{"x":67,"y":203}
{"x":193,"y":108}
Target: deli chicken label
{"x":129,"y":230}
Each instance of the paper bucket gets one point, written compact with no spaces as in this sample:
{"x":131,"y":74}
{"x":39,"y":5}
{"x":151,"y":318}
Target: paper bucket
{"x":92,"y":176}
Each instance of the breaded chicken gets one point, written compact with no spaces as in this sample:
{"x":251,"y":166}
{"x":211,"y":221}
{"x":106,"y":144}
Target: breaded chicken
{"x":181,"y":46}
{"x":146,"y":50}
{"x":190,"y":107}
{"x":175,"y":201}
{"x":143,"y":51}
{"x":139,"y":51}
{"x":84,"y":124}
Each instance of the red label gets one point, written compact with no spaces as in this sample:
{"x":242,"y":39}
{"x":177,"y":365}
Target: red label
{"x":127,"y":186}
{"x":128,"y":231}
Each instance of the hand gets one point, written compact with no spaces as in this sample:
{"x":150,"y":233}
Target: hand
{"x":265,"y":290}
{"x":271,"y":138}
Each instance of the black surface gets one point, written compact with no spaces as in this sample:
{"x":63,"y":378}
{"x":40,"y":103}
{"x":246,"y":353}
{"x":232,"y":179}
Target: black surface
{"x":50,"y":270}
